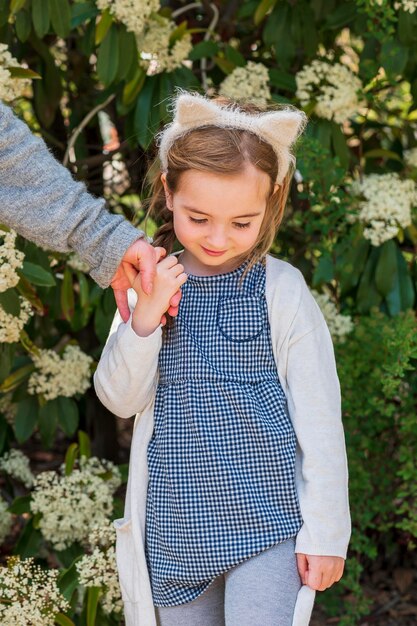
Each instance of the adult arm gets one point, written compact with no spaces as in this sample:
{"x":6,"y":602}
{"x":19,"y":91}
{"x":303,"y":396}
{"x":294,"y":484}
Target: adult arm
{"x":127,"y":374}
{"x":41,"y":201}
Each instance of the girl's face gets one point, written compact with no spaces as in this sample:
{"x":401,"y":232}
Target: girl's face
{"x":217,"y":217}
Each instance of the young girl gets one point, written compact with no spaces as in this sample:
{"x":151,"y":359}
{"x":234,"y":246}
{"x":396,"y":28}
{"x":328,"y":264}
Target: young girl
{"x":237,"y":498}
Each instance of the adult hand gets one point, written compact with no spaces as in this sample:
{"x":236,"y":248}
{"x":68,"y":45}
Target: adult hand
{"x":319,"y":572}
{"x":141,"y":258}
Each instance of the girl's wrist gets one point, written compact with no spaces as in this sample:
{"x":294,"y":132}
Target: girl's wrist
{"x":144,"y":324}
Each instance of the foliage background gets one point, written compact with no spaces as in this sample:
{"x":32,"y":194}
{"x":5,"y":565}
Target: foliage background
{"x":85,"y":76}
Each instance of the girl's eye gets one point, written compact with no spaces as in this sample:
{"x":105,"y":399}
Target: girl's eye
{"x":239,"y":225}
{"x":197,"y":221}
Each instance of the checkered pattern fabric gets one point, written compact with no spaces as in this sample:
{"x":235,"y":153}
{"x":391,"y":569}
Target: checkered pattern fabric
{"x":222,"y":455}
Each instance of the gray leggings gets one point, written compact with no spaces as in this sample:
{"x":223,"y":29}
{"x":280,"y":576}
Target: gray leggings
{"x":259,"y":591}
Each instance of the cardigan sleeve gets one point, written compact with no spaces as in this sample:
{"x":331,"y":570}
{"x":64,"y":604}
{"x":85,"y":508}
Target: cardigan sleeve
{"x":314,"y":404}
{"x":42,"y":202}
{"x":127,"y":374}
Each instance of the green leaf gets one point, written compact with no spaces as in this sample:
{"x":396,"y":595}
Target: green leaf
{"x":324,"y":271}
{"x":367,"y":295}
{"x":234,"y":56}
{"x":401,"y":296}
{"x":262,"y":10}
{"x":393,"y":58}
{"x":102,"y":28}
{"x":16,"y":378}
{"x":128,"y":55}
{"x":282,"y":80}
{"x":37,"y":275}
{"x":68,"y":417}
{"x":386,"y":269}
{"x":26,"y":419}
{"x":132,"y":89}
{"x":68,"y":582}
{"x":20,"y":505}
{"x":48,"y":421}
{"x":93,"y":595}
{"x":23,"y":25}
{"x":9,"y":302}
{"x":67,"y":295}
{"x":22,"y":72}
{"x":226,"y":66}
{"x":63,"y":620}
{"x":84,"y":444}
{"x":84,"y":290}
{"x":345,"y":13}
{"x":108,"y":56}
{"x":178,"y":33}
{"x":40,"y":17}
{"x":29,"y":541}
{"x":4,"y":12}
{"x":203,"y":49}
{"x":70,"y":457}
{"x":7,"y":351}
{"x":82,"y":12}
{"x":340,"y":146}
{"x":60,"y":12}
{"x":143,"y":130}
{"x":322,"y":130}
{"x":16,"y":5}
{"x":378,"y":153}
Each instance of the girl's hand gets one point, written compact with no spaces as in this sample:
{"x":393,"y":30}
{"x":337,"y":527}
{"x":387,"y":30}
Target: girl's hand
{"x":149,"y":309}
{"x":319,"y":572}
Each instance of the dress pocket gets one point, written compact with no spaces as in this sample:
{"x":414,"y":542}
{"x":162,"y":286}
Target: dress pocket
{"x":125,"y":558}
{"x":240,"y":319}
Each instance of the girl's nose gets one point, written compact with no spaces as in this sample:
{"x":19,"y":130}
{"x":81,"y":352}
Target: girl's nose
{"x":217,"y":239}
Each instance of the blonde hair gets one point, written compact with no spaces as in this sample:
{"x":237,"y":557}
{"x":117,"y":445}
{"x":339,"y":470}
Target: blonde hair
{"x":223,"y":151}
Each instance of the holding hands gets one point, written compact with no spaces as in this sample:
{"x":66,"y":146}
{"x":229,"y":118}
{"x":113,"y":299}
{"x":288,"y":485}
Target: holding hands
{"x":150,"y":309}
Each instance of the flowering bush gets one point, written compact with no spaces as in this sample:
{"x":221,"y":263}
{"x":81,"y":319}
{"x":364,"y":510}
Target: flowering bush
{"x":350,"y":226}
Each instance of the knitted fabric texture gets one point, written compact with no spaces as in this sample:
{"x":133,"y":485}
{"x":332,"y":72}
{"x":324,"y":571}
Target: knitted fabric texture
{"x":278,"y":128}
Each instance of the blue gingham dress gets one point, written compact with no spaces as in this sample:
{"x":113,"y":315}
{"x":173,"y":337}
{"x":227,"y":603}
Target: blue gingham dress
{"x":221,"y":458}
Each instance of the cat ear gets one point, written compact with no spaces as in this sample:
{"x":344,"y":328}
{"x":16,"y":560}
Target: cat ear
{"x":193,"y":109}
{"x":280,"y":126}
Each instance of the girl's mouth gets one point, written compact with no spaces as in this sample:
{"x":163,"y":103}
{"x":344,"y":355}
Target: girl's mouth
{"x":213,"y":252}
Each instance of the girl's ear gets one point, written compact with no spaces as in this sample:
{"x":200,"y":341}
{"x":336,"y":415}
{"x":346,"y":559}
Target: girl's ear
{"x":168,"y":197}
{"x":276,"y":187}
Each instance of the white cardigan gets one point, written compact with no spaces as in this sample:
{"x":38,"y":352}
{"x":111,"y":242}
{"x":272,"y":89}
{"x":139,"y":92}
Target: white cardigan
{"x":126,"y":380}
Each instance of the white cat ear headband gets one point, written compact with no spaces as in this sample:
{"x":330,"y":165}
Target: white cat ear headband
{"x":278,"y":128}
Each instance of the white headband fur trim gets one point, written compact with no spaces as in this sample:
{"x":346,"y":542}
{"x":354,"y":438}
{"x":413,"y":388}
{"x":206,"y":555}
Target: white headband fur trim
{"x":278,"y":128}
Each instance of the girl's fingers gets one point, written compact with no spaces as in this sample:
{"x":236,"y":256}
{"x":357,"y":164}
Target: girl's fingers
{"x":302,"y":565}
{"x":160,"y":253}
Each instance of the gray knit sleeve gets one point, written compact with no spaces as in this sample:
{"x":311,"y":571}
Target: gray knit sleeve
{"x":42,"y":202}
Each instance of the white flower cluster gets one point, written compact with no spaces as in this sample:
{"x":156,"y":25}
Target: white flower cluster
{"x":10,"y":325}
{"x":29,"y":594}
{"x":156,"y":54}
{"x":410,"y":157}
{"x":78,"y":264}
{"x":6,"y":520}
{"x":99,"y":569}
{"x":409,"y":6}
{"x":8,"y":408}
{"x":60,"y":376}
{"x":386,"y":206}
{"x":10,"y":88}
{"x":333,"y":86}
{"x":250,"y":82}
{"x":16,"y":464}
{"x":11,"y":259}
{"x":73,"y":505}
{"x":339,"y":325}
{"x":133,"y":13}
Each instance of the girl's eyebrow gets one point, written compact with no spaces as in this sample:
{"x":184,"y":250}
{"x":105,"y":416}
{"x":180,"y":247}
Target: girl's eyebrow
{"x":190,"y":208}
